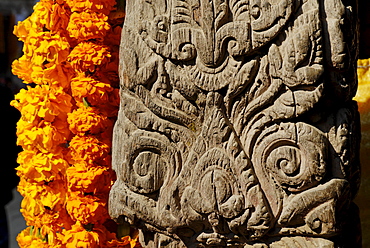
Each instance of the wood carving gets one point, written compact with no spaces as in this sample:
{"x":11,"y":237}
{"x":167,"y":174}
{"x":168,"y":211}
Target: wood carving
{"x":236,"y":126}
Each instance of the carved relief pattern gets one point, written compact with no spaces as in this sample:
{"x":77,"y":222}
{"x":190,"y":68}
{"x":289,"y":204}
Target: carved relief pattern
{"x":236,"y":126}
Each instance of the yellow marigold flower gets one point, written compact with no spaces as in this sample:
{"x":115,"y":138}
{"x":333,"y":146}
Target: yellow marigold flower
{"x":25,"y":238}
{"x":88,"y":120}
{"x":22,"y":29}
{"x":42,"y":50}
{"x":45,"y":138}
{"x":42,"y":102}
{"x":23,"y":68}
{"x":36,"y":237}
{"x":52,"y":15}
{"x":89,"y":150}
{"x":38,"y":243}
{"x":24,"y":125}
{"x":41,"y":167}
{"x":87,"y":56}
{"x":32,"y":23}
{"x":43,"y":204}
{"x":56,"y":75}
{"x":99,"y":6}
{"x":50,"y":195}
{"x":55,"y":237}
{"x":37,"y":75}
{"x":30,"y":237}
{"x":31,"y":211}
{"x":87,"y":209}
{"x":88,"y":25}
{"x":46,"y":48}
{"x":89,"y":180}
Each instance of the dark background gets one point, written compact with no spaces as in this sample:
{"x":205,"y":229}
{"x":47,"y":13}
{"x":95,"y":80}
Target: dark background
{"x":364,"y":16}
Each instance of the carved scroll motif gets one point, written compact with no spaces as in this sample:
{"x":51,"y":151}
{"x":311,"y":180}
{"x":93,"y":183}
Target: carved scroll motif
{"x":236,"y":127}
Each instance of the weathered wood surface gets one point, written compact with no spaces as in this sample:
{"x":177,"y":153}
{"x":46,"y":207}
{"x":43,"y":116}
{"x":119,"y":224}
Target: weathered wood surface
{"x":236,"y":126}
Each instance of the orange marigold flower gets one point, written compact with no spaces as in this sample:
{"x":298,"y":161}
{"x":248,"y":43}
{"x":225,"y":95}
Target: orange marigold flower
{"x":99,"y":6}
{"x":87,"y":209}
{"x":89,"y":150}
{"x":89,"y":180}
{"x":124,"y":242}
{"x":113,"y":36}
{"x":87,"y":56}
{"x":58,"y":75}
{"x":88,"y":120}
{"x":109,"y":76}
{"x":88,"y":25}
{"x":83,"y":86}
{"x":111,"y":109}
{"x":79,"y":237}
{"x":106,"y":137}
{"x":109,"y":73}
{"x":95,"y":92}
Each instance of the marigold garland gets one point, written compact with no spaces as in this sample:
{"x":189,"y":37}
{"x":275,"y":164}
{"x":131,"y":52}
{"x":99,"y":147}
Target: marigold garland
{"x":70,"y":62}
{"x":363,"y":93}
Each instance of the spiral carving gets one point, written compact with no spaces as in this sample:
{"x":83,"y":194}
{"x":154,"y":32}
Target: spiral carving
{"x":147,"y":162}
{"x":294,"y":155}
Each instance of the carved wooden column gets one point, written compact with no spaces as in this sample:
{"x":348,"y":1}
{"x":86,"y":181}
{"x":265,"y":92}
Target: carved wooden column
{"x":236,"y":126}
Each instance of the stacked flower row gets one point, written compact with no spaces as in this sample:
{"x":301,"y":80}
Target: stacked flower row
{"x":363,"y":93}
{"x":70,"y":63}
